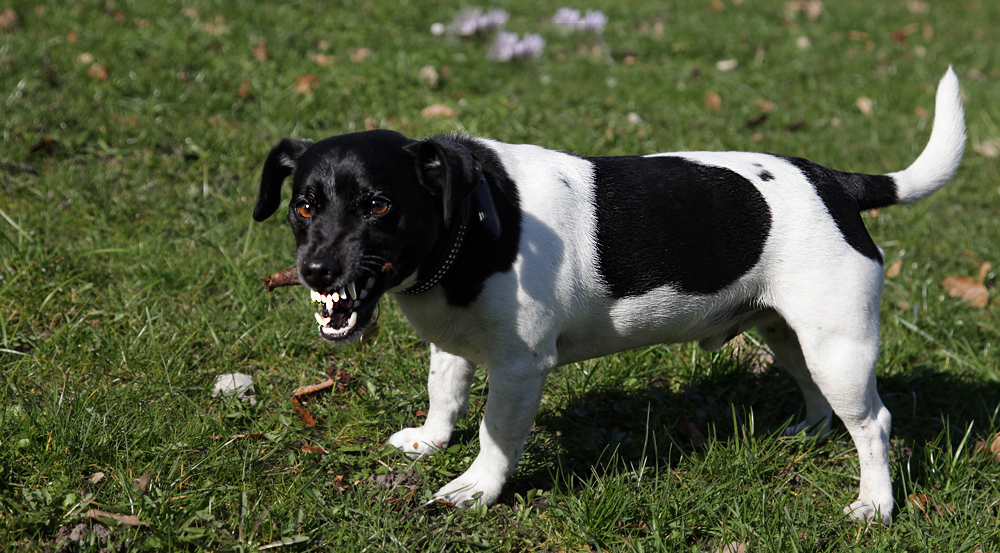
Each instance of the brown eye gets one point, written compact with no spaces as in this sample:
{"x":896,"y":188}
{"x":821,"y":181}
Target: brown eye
{"x":379,"y":207}
{"x":304,"y":210}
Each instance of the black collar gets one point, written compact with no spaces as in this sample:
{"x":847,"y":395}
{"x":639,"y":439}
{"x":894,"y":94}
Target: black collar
{"x":481,"y":200}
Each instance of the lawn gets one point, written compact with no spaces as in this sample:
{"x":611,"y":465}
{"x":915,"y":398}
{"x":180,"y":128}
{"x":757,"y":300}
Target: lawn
{"x":132,"y":139}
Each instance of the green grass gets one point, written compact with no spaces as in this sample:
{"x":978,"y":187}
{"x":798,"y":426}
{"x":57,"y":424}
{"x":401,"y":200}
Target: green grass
{"x":129,"y":279}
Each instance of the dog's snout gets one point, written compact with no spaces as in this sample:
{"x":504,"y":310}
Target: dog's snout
{"x":320,"y":272}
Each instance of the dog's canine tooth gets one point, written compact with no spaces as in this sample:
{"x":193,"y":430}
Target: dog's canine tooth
{"x":352,"y":291}
{"x":343,"y":294}
{"x":370,"y":284}
{"x":323,"y":321}
{"x":353,"y":320}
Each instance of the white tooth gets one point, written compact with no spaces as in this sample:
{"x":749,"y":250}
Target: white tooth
{"x":353,"y":320}
{"x":323,"y":321}
{"x":336,"y":297}
{"x":352,"y":291}
{"x":363,"y":294}
{"x":343,"y":294}
{"x":370,"y":283}
{"x":315,"y":296}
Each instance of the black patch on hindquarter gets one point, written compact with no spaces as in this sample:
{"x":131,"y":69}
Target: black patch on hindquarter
{"x":845,"y":195}
{"x":669,"y":220}
{"x":482,"y":255}
{"x":765,"y":176}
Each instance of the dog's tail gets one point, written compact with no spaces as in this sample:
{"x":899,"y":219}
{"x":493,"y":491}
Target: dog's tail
{"x":940,"y":158}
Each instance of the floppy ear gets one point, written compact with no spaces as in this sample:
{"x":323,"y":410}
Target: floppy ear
{"x":447,"y":170}
{"x":279,"y":164}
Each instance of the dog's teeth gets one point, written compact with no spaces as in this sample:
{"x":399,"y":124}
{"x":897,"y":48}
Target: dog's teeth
{"x":336,"y":297}
{"x":370,"y":284}
{"x":353,"y":320}
{"x":352,"y":291}
{"x":357,"y":304}
{"x":343,"y":294}
{"x":363,"y":294}
{"x":323,"y":321}
{"x":316,"y":297}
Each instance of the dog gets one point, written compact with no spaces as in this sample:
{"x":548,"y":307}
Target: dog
{"x":522,"y":259}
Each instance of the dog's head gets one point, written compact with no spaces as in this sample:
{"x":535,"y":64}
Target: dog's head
{"x":367,"y":209}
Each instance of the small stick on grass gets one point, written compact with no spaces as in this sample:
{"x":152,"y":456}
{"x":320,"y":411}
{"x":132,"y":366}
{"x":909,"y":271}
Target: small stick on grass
{"x":288,"y":277}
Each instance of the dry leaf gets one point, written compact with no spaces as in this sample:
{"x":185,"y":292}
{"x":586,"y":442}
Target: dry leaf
{"x":304,"y":84}
{"x":359,"y":55}
{"x":918,"y":6}
{"x":968,"y":289}
{"x":865,"y":106}
{"x":259,"y":50}
{"x":732,"y":547}
{"x":96,"y":477}
{"x":812,"y":8}
{"x":72,"y":36}
{"x":244,"y":90}
{"x":142,"y":483}
{"x":127,"y":520}
{"x":314,"y":449}
{"x":713,"y":101}
{"x":190,"y":13}
{"x":323,"y":60}
{"x":921,"y":501}
{"x":984,"y":270}
{"x":763,"y":104}
{"x":437,"y":110}
{"x":371,"y":124}
{"x":98,"y":72}
{"x":8,"y":20}
{"x":892,"y":271}
{"x":987,"y":148}
{"x":717,"y":5}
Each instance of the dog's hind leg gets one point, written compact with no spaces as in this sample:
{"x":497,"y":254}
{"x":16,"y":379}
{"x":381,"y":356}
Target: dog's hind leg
{"x":839,"y":341}
{"x":784,"y":345}
{"x":448,"y":384}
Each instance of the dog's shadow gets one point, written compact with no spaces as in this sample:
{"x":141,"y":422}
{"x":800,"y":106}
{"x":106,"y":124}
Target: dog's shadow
{"x":656,"y":425}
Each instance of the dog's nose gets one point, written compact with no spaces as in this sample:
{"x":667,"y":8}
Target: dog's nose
{"x":320,"y":272}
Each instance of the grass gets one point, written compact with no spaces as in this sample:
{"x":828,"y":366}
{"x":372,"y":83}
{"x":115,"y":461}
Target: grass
{"x":129,"y":279}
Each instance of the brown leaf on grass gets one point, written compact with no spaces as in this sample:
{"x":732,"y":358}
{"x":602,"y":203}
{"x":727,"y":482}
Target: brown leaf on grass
{"x":766,"y":105}
{"x":892,"y":271}
{"x":435,"y":111}
{"x":244,"y":92}
{"x":323,"y":60}
{"x":732,"y":547}
{"x":693,"y":431}
{"x":259,"y":50}
{"x":917,"y":6}
{"x":98,"y":72}
{"x":865,"y":106}
{"x":96,"y":477}
{"x":142,"y":483}
{"x":8,"y":20}
{"x":812,"y":9}
{"x":713,"y":101}
{"x":987,"y":148}
{"x":304,"y":84}
{"x":968,"y":290}
{"x":127,"y":520}
{"x":358,"y":55}
{"x":921,"y":501}
{"x":993,"y":448}
{"x":72,"y":36}
{"x":314,"y":449}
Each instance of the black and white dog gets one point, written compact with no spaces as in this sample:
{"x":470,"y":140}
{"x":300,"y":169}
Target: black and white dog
{"x":522,"y":259}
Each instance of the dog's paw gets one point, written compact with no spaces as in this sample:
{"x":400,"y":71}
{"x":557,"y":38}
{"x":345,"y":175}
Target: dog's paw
{"x":417,"y":442}
{"x":471,"y":490}
{"x":870,"y":511}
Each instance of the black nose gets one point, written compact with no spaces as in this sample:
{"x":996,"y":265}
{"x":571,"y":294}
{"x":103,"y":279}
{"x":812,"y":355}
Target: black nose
{"x":320,"y":272}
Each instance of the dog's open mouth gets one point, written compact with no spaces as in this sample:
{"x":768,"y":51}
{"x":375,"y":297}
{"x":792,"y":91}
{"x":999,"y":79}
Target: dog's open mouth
{"x":346,"y":313}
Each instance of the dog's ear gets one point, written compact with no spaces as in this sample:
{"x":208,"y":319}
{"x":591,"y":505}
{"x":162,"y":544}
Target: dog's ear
{"x":447,"y":170}
{"x":279,"y":164}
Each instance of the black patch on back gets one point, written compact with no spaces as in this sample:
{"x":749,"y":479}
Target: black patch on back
{"x":845,"y":195}
{"x":669,"y":220}
{"x":765,"y":176}
{"x":482,"y":255}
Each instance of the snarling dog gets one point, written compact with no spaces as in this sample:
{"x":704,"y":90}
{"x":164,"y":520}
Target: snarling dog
{"x":522,"y":259}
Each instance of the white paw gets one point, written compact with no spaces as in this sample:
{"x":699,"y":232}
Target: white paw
{"x":417,"y":442}
{"x":471,"y":490}
{"x":869,"y":511}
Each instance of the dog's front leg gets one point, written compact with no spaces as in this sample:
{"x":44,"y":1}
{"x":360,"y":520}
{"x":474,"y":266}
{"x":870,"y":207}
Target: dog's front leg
{"x":448,"y":384}
{"x":511,"y":405}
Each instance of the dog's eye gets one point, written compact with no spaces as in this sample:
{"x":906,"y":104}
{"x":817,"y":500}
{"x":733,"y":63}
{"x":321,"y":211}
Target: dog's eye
{"x":379,"y":207}
{"x":304,"y":210}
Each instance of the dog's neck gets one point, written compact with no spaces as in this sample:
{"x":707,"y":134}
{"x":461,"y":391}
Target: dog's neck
{"x":480,"y":201}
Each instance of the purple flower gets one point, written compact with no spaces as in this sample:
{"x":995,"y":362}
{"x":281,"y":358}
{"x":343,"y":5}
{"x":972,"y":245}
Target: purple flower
{"x":507,"y":46}
{"x":470,"y":21}
{"x":570,"y":19}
